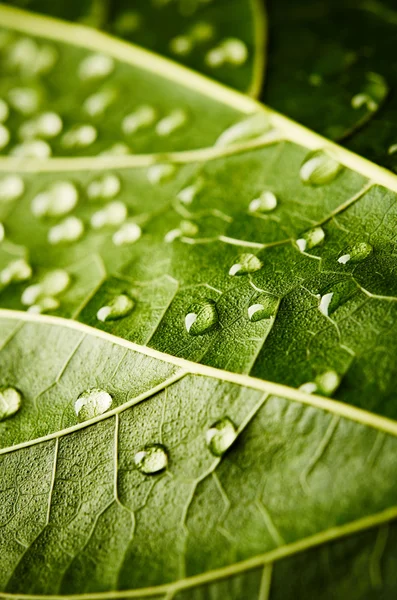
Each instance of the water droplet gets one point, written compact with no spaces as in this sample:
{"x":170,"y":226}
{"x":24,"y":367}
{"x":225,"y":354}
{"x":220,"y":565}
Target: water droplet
{"x":324,"y":303}
{"x":175,"y":120}
{"x":96,"y":104}
{"x":113,"y":214}
{"x":310,"y":387}
{"x":328,"y":382}
{"x":356,"y":253}
{"x":202,"y":31}
{"x":187,"y":194}
{"x":2,"y":232}
{"x":92,"y":403}
{"x":52,"y":284}
{"x":4,"y":136}
{"x":373,"y":93}
{"x":79,"y":136}
{"x":160,"y":172}
{"x":11,"y":188}
{"x":47,"y":125}
{"x":4,"y":111}
{"x":201,"y":317}
{"x":251,"y":127}
{"x":230,"y":50}
{"x":119,"y":307}
{"x":128,"y":233}
{"x":32,"y":149}
{"x":319,"y":168}
{"x":181,"y":45}
{"x":340,"y":293}
{"x":144,"y":116}
{"x":30,"y":58}
{"x":220,"y":436}
{"x":24,"y":100}
{"x":58,"y":199}
{"x":105,"y":187}
{"x":188,"y":228}
{"x":120,"y":149}
{"x":172,"y":235}
{"x":44,"y":304}
{"x":152,"y":459}
{"x":96,"y":66}
{"x":10,"y":402}
{"x":17,"y":270}
{"x":266,"y":202}
{"x":246,"y":263}
{"x":264,"y":307}
{"x":310,"y":239}
{"x":69,"y":230}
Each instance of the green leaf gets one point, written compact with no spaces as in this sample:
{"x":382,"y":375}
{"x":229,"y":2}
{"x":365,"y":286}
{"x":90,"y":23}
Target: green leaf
{"x":223,"y":39}
{"x":81,"y":515}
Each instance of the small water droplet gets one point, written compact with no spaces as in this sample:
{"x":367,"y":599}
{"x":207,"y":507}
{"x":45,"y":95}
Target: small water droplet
{"x":58,"y":199}
{"x":104,"y":187}
{"x":246,"y":263}
{"x":263,"y":307}
{"x":32,"y":149}
{"x":127,"y":22}
{"x":373,"y":93}
{"x":181,"y":45}
{"x":328,"y":382}
{"x":266,"y":202}
{"x":324,"y":303}
{"x":44,"y":304}
{"x":96,"y":104}
{"x":340,"y":293}
{"x":119,"y":307}
{"x":188,"y":228}
{"x":24,"y":100}
{"x":392,"y":149}
{"x":11,"y":188}
{"x":120,"y":149}
{"x":69,"y":230}
{"x":201,"y":317}
{"x":46,"y":125}
{"x":175,"y":120}
{"x":79,"y":136}
{"x":95,"y":66}
{"x":172,"y":235}
{"x":319,"y":168}
{"x":202,"y":31}
{"x":52,"y":284}
{"x":144,"y":116}
{"x":152,"y":459}
{"x":309,"y":387}
{"x":310,"y":239}
{"x":187,"y":194}
{"x":4,"y":136}
{"x":160,"y":172}
{"x":10,"y":402}
{"x":2,"y":232}
{"x":220,"y":436}
{"x":4,"y":111}
{"x":248,"y":128}
{"x":230,"y":50}
{"x":113,"y":214}
{"x":128,"y":233}
{"x":356,"y":253}
{"x":92,"y":403}
{"x":17,"y":270}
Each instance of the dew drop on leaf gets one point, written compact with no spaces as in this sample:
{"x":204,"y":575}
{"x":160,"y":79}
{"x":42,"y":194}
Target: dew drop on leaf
{"x":356,"y":253}
{"x":119,"y":307}
{"x":92,"y":403}
{"x":246,"y":263}
{"x":264,"y":306}
{"x":372,"y":94}
{"x":128,"y":233}
{"x":44,"y":304}
{"x":144,"y":116}
{"x":17,"y":270}
{"x":24,"y":100}
{"x":113,"y":214}
{"x":4,"y":136}
{"x":328,"y":382}
{"x":46,"y":125}
{"x":95,"y":66}
{"x":152,"y":459}
{"x":266,"y":202}
{"x":187,"y":194}
{"x":175,"y":120}
{"x":251,"y":127}
{"x":11,"y":188}
{"x":42,"y":294}
{"x":104,"y":187}
{"x":58,"y":199}
{"x":160,"y":172}
{"x":181,"y":45}
{"x":69,"y":230}
{"x":10,"y":402}
{"x":201,"y":317}
{"x":310,"y":239}
{"x":220,"y":436}
{"x":79,"y":136}
{"x":32,"y":149}
{"x":319,"y":168}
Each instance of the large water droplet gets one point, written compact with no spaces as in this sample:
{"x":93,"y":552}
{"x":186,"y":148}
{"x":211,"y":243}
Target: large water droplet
{"x":10,"y":402}
{"x":246,"y":129}
{"x":201,"y":317}
{"x":328,"y":382}
{"x":266,"y":202}
{"x":310,"y":239}
{"x":58,"y":199}
{"x":264,"y":306}
{"x":69,"y":230}
{"x":119,"y":307}
{"x":113,"y":214}
{"x":144,"y":116}
{"x":104,"y":187}
{"x":92,"y":403}
{"x":356,"y":253}
{"x":11,"y":188}
{"x":96,"y":66}
{"x":246,"y":263}
{"x":220,"y":436}
{"x":160,"y":172}
{"x":17,"y":270}
{"x":152,"y":459}
{"x":319,"y":168}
